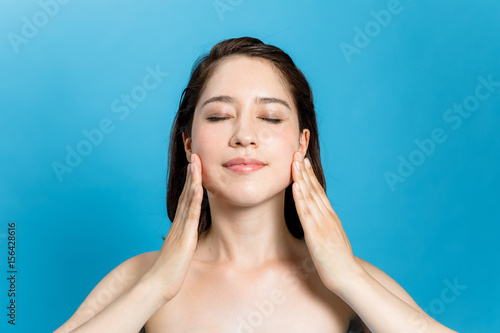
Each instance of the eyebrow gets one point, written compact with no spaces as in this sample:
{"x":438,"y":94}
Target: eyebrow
{"x":258,"y":100}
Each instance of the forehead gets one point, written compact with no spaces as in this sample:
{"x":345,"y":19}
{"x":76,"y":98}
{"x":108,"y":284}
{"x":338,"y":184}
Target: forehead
{"x":244,"y":77}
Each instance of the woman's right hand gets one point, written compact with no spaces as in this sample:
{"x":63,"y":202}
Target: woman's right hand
{"x":172,"y":262}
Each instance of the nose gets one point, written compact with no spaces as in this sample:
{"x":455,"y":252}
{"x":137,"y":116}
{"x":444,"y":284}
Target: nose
{"x":245,"y":133}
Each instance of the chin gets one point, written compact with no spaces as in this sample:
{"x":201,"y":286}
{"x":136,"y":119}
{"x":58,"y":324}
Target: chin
{"x":248,"y":195}
{"x":247,"y":189}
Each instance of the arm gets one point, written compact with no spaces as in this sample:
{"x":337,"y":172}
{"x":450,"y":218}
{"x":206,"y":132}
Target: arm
{"x":128,"y":313}
{"x":376,"y":289}
{"x":378,"y":300}
{"x":124,"y":300}
{"x":128,"y":296}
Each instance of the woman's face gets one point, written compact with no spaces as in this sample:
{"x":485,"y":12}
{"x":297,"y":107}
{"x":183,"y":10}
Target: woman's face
{"x":246,"y":93}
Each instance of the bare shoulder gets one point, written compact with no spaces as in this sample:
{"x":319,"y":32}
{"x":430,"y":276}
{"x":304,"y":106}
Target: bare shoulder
{"x":115,"y":283}
{"x":388,"y":282}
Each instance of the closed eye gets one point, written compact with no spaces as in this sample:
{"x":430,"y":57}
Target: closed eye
{"x":214,"y":119}
{"x":271,"y":120}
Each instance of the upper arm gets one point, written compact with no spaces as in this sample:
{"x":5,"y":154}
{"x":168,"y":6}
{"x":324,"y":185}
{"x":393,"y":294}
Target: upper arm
{"x":115,"y":283}
{"x":389,"y":284}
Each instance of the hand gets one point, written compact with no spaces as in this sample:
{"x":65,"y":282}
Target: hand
{"x":176,"y":253}
{"x":325,"y":238}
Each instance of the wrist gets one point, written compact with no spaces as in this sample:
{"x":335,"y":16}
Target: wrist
{"x":350,"y":280}
{"x":150,"y":286}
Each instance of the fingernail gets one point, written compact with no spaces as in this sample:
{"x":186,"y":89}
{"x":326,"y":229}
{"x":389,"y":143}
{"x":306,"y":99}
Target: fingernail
{"x":308,"y":164}
{"x":297,"y":165}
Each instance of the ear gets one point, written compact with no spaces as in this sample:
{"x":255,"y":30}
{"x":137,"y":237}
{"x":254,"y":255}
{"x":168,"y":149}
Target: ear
{"x":304,"y":141}
{"x":187,"y":146}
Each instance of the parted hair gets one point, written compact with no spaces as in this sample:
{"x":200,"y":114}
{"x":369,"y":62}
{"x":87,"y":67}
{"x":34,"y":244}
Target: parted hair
{"x":204,"y":67}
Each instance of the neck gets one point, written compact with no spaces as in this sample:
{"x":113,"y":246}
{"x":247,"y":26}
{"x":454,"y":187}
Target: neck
{"x":248,"y":236}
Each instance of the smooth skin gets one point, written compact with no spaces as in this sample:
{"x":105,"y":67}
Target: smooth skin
{"x":367,"y":290}
{"x":248,"y":273}
{"x":144,"y":283}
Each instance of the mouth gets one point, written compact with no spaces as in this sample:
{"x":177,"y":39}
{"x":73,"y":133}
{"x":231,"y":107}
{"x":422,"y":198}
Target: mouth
{"x":244,"y":165}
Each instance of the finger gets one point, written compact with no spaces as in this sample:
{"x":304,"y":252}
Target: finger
{"x":302,"y":209}
{"x":306,"y":177}
{"x":193,"y":214}
{"x":196,"y":181}
{"x":318,"y":189}
{"x":308,"y":192}
{"x":186,"y":183}
{"x":315,"y":186}
{"x":306,"y":205}
{"x":302,"y":174}
{"x":184,"y":200}
{"x":196,"y":186}
{"x":196,"y":191}
{"x":196,"y":162}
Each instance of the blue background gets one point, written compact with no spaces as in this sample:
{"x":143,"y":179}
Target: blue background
{"x":440,"y":225}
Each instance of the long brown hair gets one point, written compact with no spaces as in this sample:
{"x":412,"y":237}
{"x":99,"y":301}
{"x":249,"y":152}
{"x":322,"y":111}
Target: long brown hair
{"x":203,"y":69}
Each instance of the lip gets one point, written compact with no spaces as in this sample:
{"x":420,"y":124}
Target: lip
{"x":241,"y":160}
{"x":250,"y":165}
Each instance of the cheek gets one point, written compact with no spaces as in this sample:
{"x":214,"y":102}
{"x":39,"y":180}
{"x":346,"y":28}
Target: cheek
{"x":282,"y":154}
{"x":206,"y":144}
{"x":276,"y":146}
{"x":211,"y":166}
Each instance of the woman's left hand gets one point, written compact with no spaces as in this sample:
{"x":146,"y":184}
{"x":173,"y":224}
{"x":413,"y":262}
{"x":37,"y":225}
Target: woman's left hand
{"x":382,"y":304}
{"x":325,"y":238}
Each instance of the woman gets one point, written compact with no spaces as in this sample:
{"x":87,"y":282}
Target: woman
{"x":255,"y":245}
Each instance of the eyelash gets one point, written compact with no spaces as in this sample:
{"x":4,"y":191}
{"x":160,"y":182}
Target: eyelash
{"x":271,"y":120}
